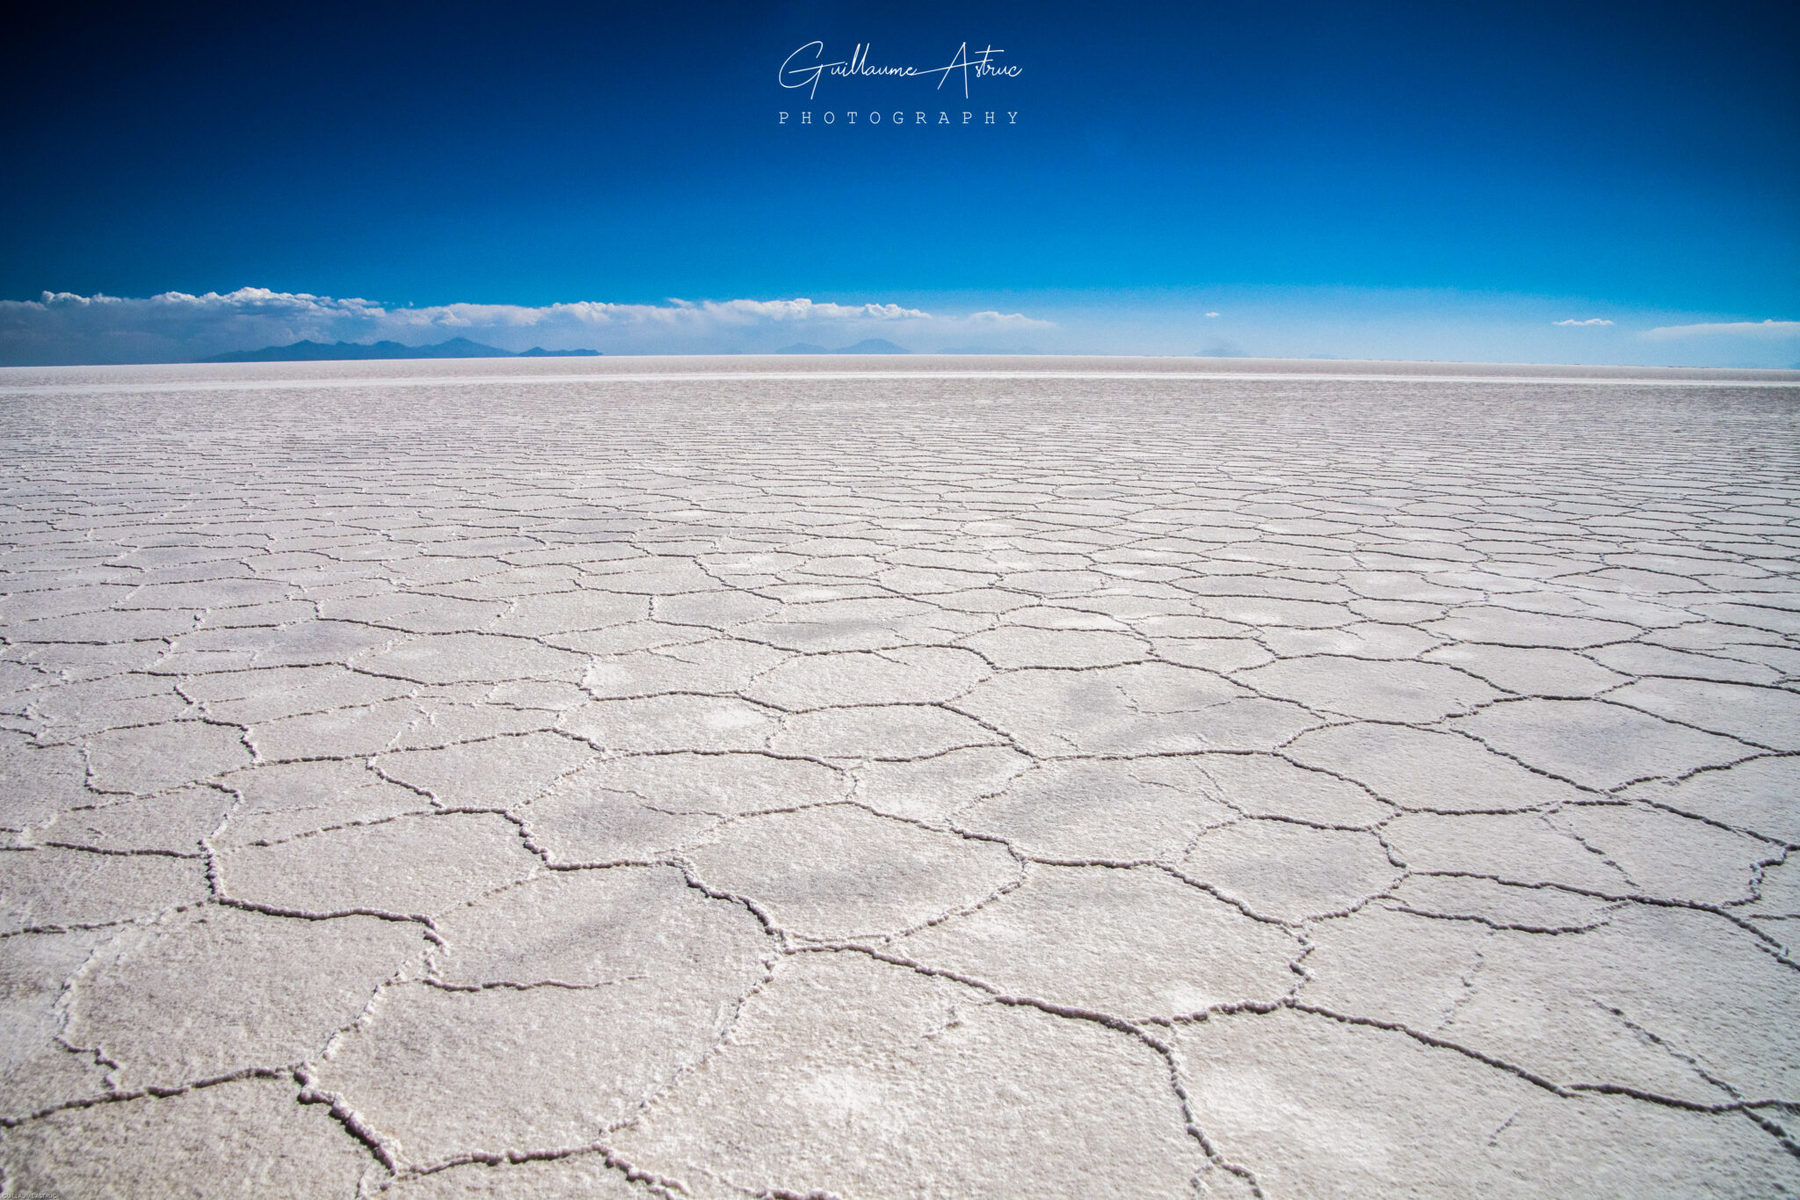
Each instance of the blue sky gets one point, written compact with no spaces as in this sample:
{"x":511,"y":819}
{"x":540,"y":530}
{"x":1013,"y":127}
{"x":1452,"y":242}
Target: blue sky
{"x":1396,"y":180}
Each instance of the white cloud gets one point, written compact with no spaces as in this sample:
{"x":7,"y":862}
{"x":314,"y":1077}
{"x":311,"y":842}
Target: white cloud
{"x":178,"y":326}
{"x":1589,"y":321}
{"x":1212,"y":314}
{"x":1756,"y":329}
{"x":1007,"y":320}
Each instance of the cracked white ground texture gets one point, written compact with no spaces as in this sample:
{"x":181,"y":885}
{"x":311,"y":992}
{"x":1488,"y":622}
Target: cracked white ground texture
{"x":623,"y":780}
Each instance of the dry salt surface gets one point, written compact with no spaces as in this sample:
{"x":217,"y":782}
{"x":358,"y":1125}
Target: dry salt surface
{"x":943,"y":778}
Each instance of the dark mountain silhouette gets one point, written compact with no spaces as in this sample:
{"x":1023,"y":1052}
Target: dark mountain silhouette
{"x":874,"y":346}
{"x":1222,"y":349}
{"x":309,"y":351}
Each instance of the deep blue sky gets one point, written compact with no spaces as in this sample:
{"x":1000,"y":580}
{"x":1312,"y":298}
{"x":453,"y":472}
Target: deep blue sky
{"x":1631,"y":159}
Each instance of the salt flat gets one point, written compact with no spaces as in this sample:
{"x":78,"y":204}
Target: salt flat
{"x":874,"y":778}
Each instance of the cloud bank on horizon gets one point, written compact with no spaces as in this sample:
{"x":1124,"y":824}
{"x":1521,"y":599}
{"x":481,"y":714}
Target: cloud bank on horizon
{"x":63,"y":327}
{"x":67,"y":328}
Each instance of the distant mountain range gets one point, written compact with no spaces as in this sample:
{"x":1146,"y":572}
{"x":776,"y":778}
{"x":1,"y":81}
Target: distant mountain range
{"x":458,"y":347}
{"x":866,"y":346}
